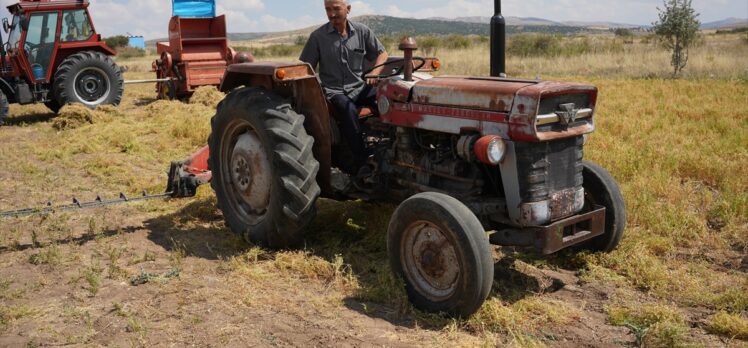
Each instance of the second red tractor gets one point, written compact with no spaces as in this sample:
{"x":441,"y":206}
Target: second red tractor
{"x":53,"y":55}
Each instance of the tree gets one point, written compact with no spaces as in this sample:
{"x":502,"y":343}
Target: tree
{"x":117,"y":41}
{"x":623,"y":32}
{"x":301,"y":40}
{"x":677,"y":30}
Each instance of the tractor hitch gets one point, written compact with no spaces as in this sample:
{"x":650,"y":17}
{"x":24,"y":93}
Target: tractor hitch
{"x":186,"y":176}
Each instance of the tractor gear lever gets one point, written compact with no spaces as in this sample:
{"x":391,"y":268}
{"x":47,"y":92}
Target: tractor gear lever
{"x":408,"y":45}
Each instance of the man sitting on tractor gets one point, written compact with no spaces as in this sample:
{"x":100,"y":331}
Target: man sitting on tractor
{"x":340,"y":48}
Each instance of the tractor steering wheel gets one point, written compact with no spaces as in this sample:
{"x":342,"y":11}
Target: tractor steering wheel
{"x":29,"y":47}
{"x":394,"y":72}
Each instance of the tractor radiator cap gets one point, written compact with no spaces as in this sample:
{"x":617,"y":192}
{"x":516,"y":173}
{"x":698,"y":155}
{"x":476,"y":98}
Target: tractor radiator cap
{"x":408,"y":43}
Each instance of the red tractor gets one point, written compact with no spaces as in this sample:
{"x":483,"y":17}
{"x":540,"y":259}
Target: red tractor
{"x":54,"y":56}
{"x":460,"y":155}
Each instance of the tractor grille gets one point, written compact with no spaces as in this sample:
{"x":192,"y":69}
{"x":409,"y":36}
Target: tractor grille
{"x":549,"y":167}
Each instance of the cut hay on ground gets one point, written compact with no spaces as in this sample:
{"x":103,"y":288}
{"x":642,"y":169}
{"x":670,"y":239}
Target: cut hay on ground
{"x":208,"y":96}
{"x":77,"y":115}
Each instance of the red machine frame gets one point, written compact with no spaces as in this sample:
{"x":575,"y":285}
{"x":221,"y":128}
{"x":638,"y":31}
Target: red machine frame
{"x":197,"y":54}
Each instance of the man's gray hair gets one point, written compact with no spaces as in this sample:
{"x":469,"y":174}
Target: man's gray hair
{"x":347,"y":2}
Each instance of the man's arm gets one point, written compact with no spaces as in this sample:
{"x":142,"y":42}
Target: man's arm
{"x":381,"y":59}
{"x":374,"y":46}
{"x":310,"y":54}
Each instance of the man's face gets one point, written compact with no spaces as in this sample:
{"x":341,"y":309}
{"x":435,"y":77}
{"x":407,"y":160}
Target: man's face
{"x":337,"y":11}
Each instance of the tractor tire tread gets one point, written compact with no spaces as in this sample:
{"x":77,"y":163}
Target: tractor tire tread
{"x":66,"y":71}
{"x":4,"y":108}
{"x":295,"y":168}
{"x":601,"y":185}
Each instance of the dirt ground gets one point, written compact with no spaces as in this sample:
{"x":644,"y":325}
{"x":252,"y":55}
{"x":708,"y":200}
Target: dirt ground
{"x":208,"y":304}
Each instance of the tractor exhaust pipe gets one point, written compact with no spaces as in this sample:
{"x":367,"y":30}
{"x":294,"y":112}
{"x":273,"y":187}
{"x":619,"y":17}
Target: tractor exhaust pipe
{"x":498,"y":42}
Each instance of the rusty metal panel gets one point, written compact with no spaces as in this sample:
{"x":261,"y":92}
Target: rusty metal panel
{"x":446,"y":119}
{"x":203,"y":53}
{"x":467,"y":92}
{"x":267,"y":68}
{"x":490,"y":101}
{"x":557,"y":236}
{"x":527,"y":104}
{"x":571,"y":231}
{"x":204,"y":73}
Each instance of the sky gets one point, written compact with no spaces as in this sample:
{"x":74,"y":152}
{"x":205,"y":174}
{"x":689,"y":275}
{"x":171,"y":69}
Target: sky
{"x":150,"y":18}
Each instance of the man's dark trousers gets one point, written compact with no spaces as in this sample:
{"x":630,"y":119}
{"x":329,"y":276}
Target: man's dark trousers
{"x":347,"y":111}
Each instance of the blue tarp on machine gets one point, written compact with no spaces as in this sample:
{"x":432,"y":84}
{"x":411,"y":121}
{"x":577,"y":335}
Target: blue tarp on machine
{"x":194,"y":8}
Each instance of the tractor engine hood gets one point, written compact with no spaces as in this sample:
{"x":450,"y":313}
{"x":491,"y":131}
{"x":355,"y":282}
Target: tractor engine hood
{"x":534,"y":110}
{"x":483,"y":93}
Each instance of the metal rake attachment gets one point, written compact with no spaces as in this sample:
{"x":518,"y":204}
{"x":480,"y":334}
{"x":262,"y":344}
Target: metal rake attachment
{"x":78,"y":205}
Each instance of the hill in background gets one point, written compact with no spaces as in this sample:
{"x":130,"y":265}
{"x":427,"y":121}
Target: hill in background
{"x":385,"y":25}
{"x":534,"y":22}
{"x":729,"y":23}
{"x":389,"y":26}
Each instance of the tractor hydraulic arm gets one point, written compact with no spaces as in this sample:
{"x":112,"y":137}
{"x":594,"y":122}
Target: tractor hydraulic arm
{"x":186,"y":176}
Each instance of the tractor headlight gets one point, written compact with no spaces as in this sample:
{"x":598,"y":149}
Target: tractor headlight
{"x":490,"y":149}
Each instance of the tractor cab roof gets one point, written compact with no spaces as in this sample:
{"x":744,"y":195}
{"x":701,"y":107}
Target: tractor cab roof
{"x":41,"y":5}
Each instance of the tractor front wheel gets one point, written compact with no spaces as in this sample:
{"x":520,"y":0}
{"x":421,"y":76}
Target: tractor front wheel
{"x":264,"y":171}
{"x":601,"y":189}
{"x":441,"y":251}
{"x":90,"y":78}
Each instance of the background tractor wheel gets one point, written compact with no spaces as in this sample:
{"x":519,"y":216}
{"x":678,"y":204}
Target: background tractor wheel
{"x":264,"y":171}
{"x":4,"y":108}
{"x":601,"y":189}
{"x":441,"y":251}
{"x":90,"y":78}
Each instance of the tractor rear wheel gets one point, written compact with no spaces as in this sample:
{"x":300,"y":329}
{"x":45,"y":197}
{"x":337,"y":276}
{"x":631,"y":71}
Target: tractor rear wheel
{"x":441,"y":251}
{"x":90,"y":78}
{"x":4,"y":108}
{"x":601,"y":189}
{"x":264,"y":171}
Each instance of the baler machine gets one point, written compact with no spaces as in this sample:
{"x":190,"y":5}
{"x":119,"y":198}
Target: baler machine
{"x":197,"y":53}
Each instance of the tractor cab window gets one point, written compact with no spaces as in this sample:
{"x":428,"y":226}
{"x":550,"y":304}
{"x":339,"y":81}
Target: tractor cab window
{"x":75,"y":26}
{"x":40,"y":42}
{"x":15,"y":33}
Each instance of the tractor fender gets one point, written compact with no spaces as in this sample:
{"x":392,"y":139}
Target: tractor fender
{"x":298,"y":83}
{"x":66,"y":52}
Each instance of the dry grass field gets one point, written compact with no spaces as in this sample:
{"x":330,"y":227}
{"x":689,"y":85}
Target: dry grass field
{"x":169,"y":273}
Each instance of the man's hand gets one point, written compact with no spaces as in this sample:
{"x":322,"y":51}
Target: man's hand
{"x":381,"y":59}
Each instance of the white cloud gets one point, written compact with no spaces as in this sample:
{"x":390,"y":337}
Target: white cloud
{"x":240,"y":14}
{"x":395,"y":11}
{"x":359,"y":8}
{"x":112,"y":18}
